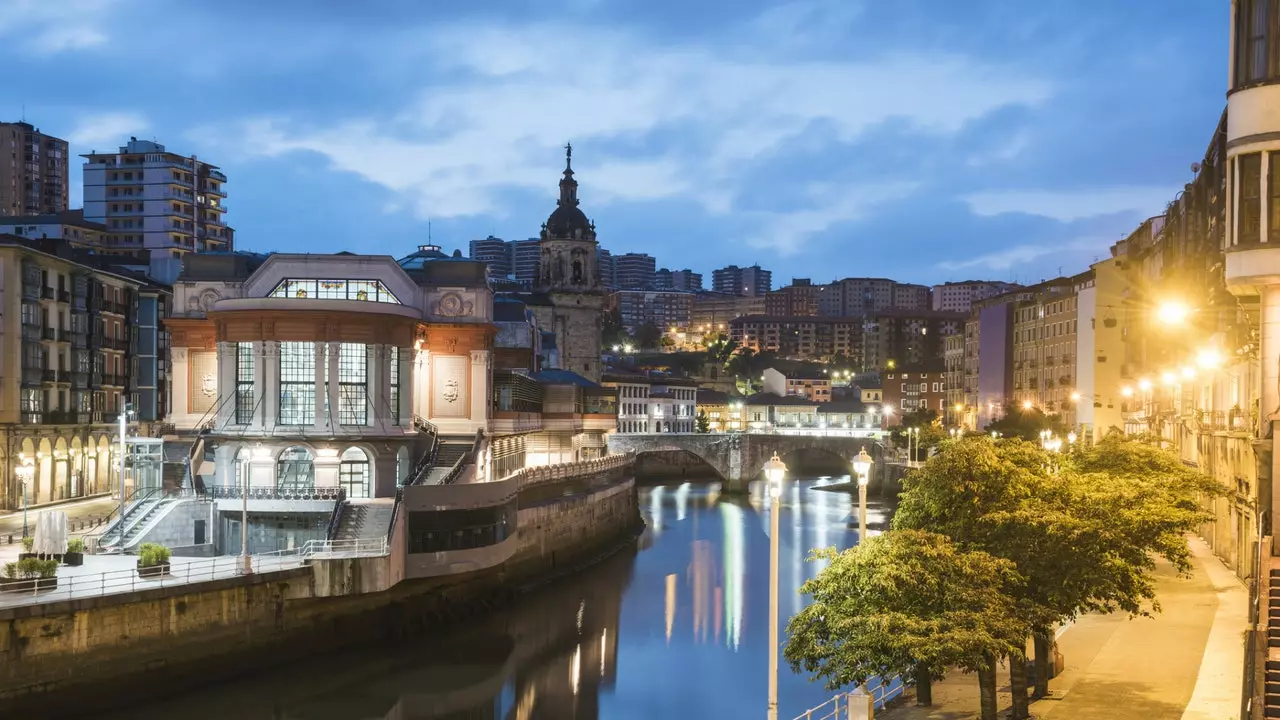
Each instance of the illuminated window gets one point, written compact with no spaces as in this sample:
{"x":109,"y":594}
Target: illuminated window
{"x":394,"y":400}
{"x":353,"y":473}
{"x":370,"y":290}
{"x":295,"y":469}
{"x":1250,"y":170}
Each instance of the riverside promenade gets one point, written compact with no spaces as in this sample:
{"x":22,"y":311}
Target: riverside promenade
{"x":1186,"y":663}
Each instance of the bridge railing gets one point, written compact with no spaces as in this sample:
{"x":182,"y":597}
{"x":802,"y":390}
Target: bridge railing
{"x":531,"y":476}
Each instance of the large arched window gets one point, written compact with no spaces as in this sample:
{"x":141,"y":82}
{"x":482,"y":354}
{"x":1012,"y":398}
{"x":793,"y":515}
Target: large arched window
{"x":242,"y":468}
{"x":353,"y":472}
{"x":295,"y":469}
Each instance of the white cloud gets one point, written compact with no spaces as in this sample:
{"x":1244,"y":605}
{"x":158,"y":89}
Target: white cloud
{"x":514,"y":95}
{"x":47,"y":27}
{"x":1070,"y":205}
{"x":106,"y":130}
{"x":1012,"y":258}
{"x":1009,"y":149}
{"x":786,"y":232}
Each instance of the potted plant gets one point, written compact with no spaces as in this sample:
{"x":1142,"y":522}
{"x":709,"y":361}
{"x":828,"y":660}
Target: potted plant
{"x":28,"y":575}
{"x":28,"y":548}
{"x":75,"y":552}
{"x":153,"y":560}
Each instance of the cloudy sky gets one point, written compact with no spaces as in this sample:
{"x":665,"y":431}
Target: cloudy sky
{"x":924,"y":140}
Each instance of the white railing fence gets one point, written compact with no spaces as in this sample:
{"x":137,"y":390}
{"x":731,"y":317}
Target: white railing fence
{"x":851,"y":705}
{"x":69,"y":587}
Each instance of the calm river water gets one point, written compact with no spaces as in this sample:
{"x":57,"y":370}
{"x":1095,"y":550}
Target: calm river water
{"x":674,"y":629}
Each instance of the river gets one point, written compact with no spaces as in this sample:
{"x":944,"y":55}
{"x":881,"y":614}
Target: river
{"x":674,"y":628}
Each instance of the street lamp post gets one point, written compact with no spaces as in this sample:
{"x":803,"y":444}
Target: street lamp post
{"x":775,"y":472}
{"x":25,"y":472}
{"x":862,"y":466}
{"x":124,"y":419}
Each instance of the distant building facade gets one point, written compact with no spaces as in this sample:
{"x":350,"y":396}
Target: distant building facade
{"x":35,"y":180}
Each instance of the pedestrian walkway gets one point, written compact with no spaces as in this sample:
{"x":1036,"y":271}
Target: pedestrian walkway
{"x":91,"y":508}
{"x":1186,"y":663}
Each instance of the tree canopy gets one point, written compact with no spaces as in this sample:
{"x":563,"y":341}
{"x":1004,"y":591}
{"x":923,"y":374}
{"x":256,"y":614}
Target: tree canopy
{"x":1024,"y":423}
{"x":903,"y":601}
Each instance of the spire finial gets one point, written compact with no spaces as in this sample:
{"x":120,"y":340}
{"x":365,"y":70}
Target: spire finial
{"x":568,"y":156}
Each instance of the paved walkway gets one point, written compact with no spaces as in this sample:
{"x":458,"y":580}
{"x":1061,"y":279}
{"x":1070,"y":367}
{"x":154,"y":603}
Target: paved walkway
{"x":1186,"y":663}
{"x":93,"y":508}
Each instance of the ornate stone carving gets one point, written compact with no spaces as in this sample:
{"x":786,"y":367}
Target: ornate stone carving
{"x":208,"y":298}
{"x":453,"y":305}
{"x":209,"y":385}
{"x":450,"y":393}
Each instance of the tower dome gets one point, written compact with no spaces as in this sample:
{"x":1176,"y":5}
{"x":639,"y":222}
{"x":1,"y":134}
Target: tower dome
{"x":567,"y":220}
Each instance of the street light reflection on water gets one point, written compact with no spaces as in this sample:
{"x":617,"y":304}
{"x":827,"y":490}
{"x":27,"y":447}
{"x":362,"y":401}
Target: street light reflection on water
{"x":674,"y":627}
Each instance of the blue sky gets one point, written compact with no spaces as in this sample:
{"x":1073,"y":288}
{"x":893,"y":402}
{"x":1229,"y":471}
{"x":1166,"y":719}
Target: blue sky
{"x":924,"y":140}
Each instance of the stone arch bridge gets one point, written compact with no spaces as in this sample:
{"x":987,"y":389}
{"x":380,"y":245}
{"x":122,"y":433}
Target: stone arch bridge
{"x":739,"y":457}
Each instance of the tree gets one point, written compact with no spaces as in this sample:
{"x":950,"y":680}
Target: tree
{"x":648,"y":336}
{"x":667,"y":342}
{"x":929,"y":435}
{"x":907,"y":603}
{"x":1081,"y":532}
{"x":612,"y":332}
{"x":703,"y":423}
{"x":1025,"y":423}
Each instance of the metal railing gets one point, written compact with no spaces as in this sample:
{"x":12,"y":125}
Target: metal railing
{"x":837,"y":708}
{"x":842,"y":706}
{"x":321,"y":549}
{"x":467,"y":458}
{"x":128,"y":580}
{"x":336,"y":518}
{"x":265,"y":492}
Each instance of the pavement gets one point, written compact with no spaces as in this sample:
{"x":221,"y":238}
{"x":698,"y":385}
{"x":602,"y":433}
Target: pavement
{"x":89,"y":509}
{"x":1186,"y":663}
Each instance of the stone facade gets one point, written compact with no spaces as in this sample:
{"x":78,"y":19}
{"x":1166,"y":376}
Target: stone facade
{"x":569,"y":280}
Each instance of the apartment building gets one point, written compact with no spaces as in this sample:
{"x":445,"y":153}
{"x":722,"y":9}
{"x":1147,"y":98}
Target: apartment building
{"x":159,"y":202}
{"x":958,"y":410}
{"x":497,"y":255}
{"x":856,"y":296}
{"x":663,"y":309}
{"x":909,"y":389}
{"x":798,"y":299}
{"x":69,"y":342}
{"x":751,"y":281}
{"x":653,"y":403}
{"x":635,"y":271}
{"x":68,"y":225}
{"x":801,"y":338}
{"x":960,"y":296}
{"x":34,"y":181}
{"x":524,"y":260}
{"x":905,"y":338}
{"x":1044,"y":348}
{"x":683,"y":280}
{"x":712,"y":312}
{"x":815,"y":386}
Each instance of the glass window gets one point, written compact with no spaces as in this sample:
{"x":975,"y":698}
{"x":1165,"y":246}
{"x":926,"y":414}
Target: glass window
{"x":353,"y":384}
{"x":297,"y":383}
{"x":370,"y":290}
{"x":295,"y":469}
{"x":244,"y":383}
{"x":1273,"y":197}
{"x":1250,"y":171}
{"x":394,"y":400}
{"x":242,"y":467}
{"x":353,"y":473}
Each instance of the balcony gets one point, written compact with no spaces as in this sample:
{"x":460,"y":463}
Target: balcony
{"x":58,"y":417}
{"x":64,"y":296}
{"x":31,"y":332}
{"x":48,"y":333}
{"x":46,"y":292}
{"x":32,"y":376}
{"x":49,"y":375}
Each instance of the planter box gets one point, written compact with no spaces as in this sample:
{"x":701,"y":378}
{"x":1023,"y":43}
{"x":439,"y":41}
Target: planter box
{"x":152,"y":571}
{"x":74,"y":559}
{"x":25,"y":555}
{"x":28,"y":584}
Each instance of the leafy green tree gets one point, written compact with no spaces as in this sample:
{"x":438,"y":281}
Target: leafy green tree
{"x":648,"y":336}
{"x":1082,"y":532}
{"x":929,"y":435}
{"x":1024,"y":423}
{"x":907,"y":603}
{"x":666,"y":342}
{"x":612,"y":332}
{"x":702,"y":422}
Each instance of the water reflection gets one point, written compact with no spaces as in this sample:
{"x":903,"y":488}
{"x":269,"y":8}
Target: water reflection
{"x":674,"y":628}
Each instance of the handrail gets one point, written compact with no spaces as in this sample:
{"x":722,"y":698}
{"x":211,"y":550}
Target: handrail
{"x":270,"y":492}
{"x":114,"y":519}
{"x":841,"y":706}
{"x":34,"y":592}
{"x":467,"y":458}
{"x":530,"y":476}
{"x":335,"y":519}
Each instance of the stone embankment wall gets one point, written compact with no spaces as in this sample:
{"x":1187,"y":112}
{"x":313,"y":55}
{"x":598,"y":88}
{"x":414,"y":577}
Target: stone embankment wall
{"x":59,"y":658}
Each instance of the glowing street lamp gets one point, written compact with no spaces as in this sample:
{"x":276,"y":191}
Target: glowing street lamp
{"x":26,"y":470}
{"x":775,"y":472}
{"x":1075,"y":397}
{"x":1172,"y":312}
{"x":1026,"y":404}
{"x":862,"y":467}
{"x":1126,"y":391}
{"x":1209,"y":359}
{"x":1144,"y":384}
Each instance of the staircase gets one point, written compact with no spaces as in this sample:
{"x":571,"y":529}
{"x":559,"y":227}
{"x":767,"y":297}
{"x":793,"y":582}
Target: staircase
{"x":450,"y":450}
{"x":365,"y":520}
